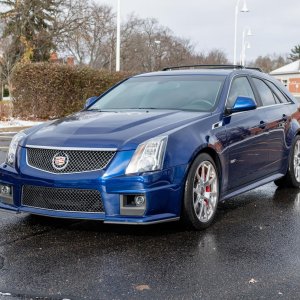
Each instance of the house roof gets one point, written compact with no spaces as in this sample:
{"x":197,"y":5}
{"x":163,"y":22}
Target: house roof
{"x":292,"y":68}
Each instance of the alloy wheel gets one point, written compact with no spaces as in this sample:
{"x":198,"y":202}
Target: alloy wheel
{"x":205,"y":191}
{"x":297,"y":160}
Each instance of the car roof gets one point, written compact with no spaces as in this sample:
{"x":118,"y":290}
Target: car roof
{"x":224,"y":72}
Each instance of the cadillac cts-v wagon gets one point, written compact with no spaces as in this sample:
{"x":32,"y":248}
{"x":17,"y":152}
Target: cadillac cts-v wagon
{"x":158,"y":147}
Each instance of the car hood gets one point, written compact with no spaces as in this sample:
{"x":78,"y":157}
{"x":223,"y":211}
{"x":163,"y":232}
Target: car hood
{"x":120,"y":130}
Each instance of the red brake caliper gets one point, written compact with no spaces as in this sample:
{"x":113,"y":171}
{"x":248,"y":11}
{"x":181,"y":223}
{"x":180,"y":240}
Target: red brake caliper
{"x":207,"y":190}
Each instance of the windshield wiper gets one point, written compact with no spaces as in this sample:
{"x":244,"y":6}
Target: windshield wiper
{"x":148,"y":108}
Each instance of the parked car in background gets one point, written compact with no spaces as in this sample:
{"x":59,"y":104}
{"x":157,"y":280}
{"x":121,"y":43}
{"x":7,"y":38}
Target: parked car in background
{"x":158,"y":147}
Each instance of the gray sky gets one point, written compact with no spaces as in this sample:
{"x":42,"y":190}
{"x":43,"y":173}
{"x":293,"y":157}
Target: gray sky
{"x":210,"y":23}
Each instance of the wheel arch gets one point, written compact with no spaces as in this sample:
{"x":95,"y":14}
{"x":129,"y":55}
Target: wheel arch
{"x":214,"y":155}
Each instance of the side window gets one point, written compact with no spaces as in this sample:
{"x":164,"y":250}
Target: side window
{"x":240,"y":87}
{"x":278,"y":93}
{"x":266,"y":95}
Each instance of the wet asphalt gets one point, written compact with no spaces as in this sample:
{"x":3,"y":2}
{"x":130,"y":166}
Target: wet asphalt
{"x":252,"y":251}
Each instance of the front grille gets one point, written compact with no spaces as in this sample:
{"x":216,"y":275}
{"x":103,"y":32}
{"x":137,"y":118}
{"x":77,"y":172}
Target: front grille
{"x":62,"y":199}
{"x":78,"y":160}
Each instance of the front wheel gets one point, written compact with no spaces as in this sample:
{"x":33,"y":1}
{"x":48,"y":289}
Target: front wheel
{"x":201,"y":193}
{"x":292,"y":177}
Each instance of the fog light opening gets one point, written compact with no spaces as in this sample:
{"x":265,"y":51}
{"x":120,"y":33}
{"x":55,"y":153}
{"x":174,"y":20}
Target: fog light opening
{"x":6,"y":194}
{"x":5,"y":190}
{"x":133,"y":205}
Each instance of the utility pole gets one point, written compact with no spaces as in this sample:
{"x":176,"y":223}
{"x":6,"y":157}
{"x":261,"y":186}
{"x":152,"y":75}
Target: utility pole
{"x":118,"y":48}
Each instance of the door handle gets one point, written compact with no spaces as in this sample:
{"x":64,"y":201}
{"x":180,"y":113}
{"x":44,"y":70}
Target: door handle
{"x":282,"y":122}
{"x":284,"y":117}
{"x":262,"y":125}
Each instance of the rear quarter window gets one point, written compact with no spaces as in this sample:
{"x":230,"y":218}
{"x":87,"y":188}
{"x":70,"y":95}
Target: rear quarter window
{"x":266,"y":95}
{"x":278,"y":93}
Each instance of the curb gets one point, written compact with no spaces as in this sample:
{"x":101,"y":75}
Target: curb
{"x":13,"y":129}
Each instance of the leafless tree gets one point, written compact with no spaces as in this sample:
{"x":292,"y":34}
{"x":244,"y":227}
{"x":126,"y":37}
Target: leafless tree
{"x":7,"y":58}
{"x":269,"y":63}
{"x":88,"y":42}
{"x":146,"y":45}
{"x":69,"y":16}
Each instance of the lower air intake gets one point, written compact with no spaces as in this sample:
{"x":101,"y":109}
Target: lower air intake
{"x":61,"y":199}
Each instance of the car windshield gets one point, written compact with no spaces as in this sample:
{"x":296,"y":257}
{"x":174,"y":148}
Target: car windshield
{"x":193,"y":92}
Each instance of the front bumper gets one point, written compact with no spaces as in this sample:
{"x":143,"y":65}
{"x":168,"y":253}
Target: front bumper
{"x":163,"y":191}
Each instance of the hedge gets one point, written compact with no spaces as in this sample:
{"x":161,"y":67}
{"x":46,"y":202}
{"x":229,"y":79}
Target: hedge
{"x":48,"y":90}
{"x":5,"y":110}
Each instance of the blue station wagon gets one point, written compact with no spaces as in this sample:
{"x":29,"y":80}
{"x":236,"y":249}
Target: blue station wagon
{"x":158,"y":147}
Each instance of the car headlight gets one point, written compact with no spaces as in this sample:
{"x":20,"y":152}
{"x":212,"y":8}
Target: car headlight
{"x":12,"y":151}
{"x":148,"y":156}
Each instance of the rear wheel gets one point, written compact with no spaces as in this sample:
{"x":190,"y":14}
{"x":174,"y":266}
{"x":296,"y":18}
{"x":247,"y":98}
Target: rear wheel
{"x":292,"y":177}
{"x":201,"y":193}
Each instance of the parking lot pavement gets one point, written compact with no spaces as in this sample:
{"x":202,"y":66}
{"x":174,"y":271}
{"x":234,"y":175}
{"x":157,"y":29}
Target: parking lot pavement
{"x":250,"y":252}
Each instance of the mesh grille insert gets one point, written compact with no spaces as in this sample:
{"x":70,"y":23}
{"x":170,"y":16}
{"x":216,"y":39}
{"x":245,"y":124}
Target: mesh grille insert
{"x":62,"y":199}
{"x":77,"y":160}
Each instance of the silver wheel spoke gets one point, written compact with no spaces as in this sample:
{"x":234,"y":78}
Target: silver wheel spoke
{"x":205,"y":211}
{"x":198,"y":176}
{"x":210,"y":182}
{"x":207,"y":174}
{"x":201,"y":209}
{"x":213,"y":194}
{"x":196,"y":205}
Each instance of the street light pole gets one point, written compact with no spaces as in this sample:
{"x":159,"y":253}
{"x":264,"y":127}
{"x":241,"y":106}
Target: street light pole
{"x":118,"y":48}
{"x":244,"y":9}
{"x":245,"y":44}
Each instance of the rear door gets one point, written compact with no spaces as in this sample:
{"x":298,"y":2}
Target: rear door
{"x":275,"y":115}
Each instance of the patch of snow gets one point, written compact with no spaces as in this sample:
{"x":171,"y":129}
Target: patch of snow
{"x":7,"y":133}
{"x":18,"y":123}
{"x":5,"y":294}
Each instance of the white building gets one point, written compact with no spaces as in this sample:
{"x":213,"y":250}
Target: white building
{"x":289,"y":75}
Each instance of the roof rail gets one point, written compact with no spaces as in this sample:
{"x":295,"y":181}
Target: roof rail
{"x":254,"y":68}
{"x":210,"y":67}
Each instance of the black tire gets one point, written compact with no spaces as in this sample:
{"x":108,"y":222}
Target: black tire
{"x":200,"y":197}
{"x":290,"y":178}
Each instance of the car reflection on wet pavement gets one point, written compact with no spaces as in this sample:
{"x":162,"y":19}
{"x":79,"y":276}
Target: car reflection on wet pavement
{"x":251,"y":252}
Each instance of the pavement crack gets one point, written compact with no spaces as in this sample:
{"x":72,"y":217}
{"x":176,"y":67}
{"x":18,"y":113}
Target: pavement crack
{"x":41,"y":232}
{"x":7,"y":243}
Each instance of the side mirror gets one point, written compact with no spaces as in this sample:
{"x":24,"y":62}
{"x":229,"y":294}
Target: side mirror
{"x":90,"y":101}
{"x":243,"y":104}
